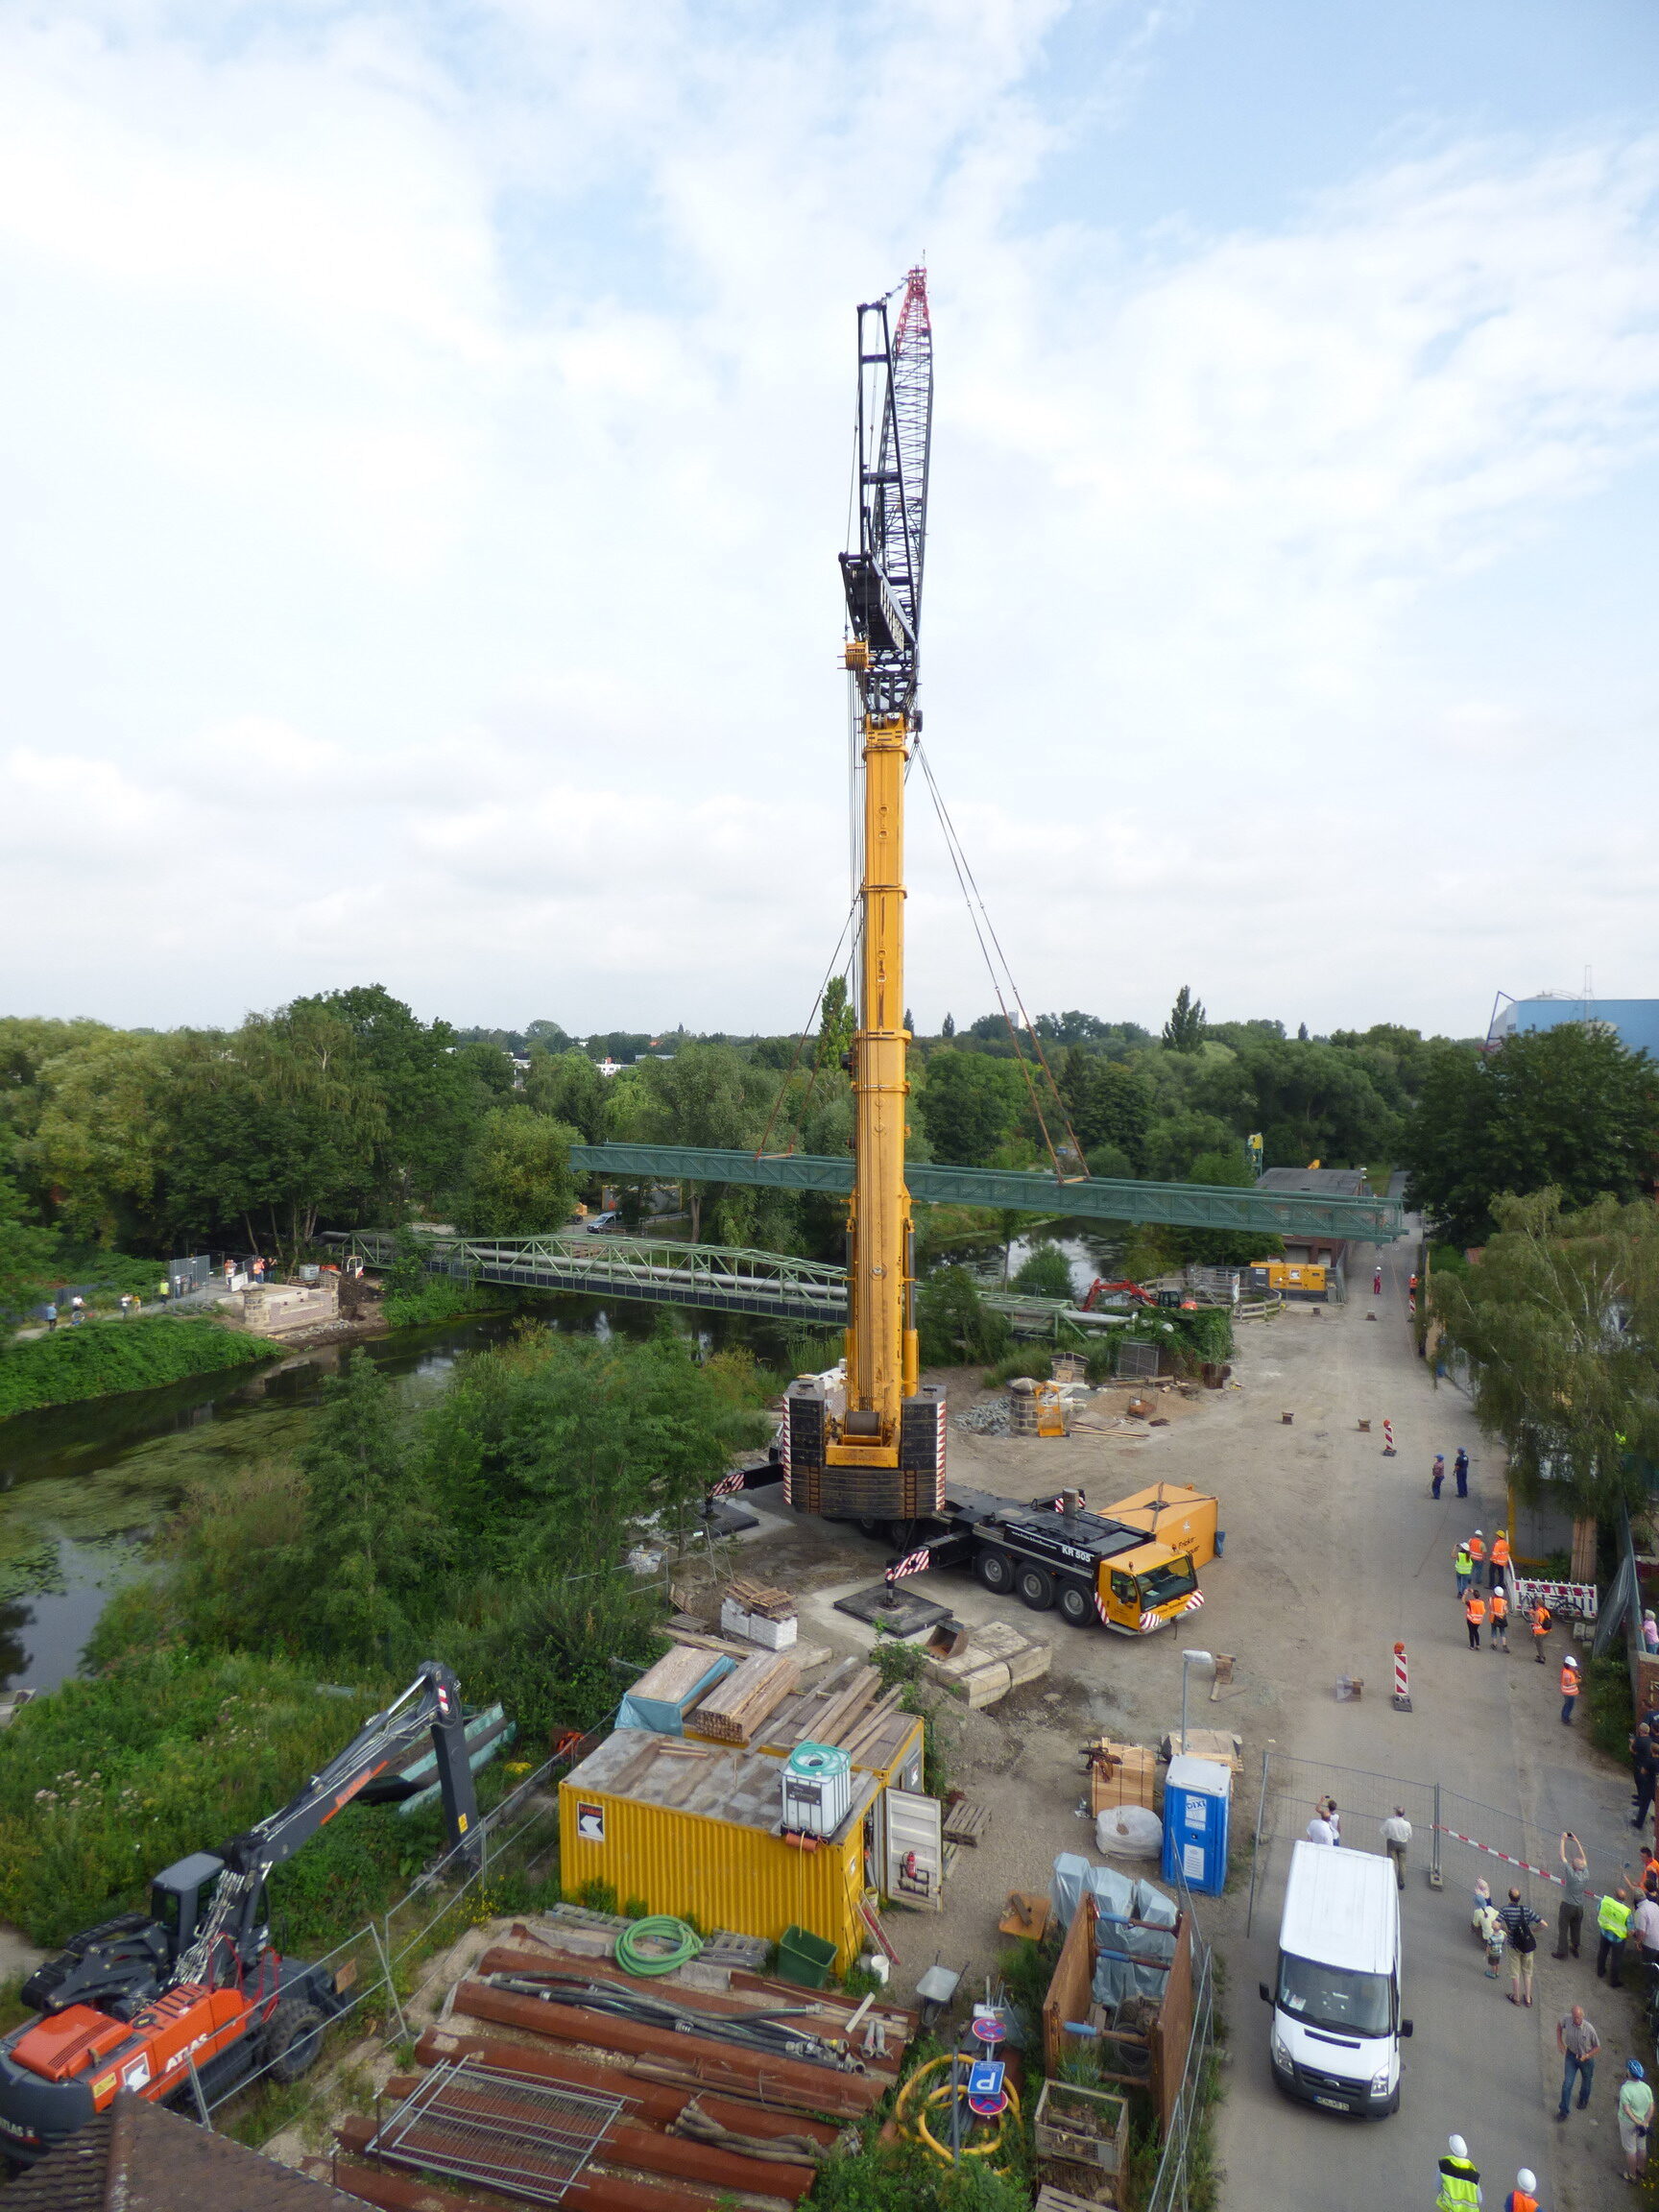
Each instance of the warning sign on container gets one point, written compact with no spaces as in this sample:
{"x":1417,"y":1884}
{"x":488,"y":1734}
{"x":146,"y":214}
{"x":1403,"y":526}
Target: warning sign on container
{"x":589,"y":1823}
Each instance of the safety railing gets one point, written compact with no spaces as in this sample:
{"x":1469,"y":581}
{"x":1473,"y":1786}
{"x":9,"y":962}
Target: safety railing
{"x":373,"y":1962}
{"x":1172,"y":2184}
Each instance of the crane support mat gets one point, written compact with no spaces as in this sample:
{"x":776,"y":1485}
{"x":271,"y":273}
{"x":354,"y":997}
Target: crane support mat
{"x":893,"y":1608}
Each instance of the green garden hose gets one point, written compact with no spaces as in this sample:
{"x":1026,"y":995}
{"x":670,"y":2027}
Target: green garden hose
{"x":683,"y":1944}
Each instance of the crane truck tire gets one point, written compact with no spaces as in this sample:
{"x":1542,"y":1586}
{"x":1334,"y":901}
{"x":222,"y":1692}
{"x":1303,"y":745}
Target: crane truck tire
{"x":996,"y":1570}
{"x":1036,"y":1588}
{"x":1077,"y":1602}
{"x":293,"y":2039}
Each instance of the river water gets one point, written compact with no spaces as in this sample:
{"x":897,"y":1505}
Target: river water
{"x":82,"y":1487}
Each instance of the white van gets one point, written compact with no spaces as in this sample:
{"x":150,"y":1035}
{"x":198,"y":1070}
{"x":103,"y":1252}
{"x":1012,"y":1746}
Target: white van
{"x":1336,"y":2025}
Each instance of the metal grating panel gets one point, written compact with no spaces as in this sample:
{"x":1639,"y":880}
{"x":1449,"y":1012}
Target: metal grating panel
{"x":476,"y":2122}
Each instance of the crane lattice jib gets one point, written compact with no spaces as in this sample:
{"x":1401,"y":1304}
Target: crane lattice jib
{"x":883,"y":578}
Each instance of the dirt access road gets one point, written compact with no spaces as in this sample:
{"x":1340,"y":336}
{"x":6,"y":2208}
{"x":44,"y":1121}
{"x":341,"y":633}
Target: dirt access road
{"x":1333,"y":1552}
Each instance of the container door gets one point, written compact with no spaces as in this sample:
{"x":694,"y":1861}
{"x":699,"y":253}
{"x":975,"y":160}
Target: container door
{"x":915,"y":1870}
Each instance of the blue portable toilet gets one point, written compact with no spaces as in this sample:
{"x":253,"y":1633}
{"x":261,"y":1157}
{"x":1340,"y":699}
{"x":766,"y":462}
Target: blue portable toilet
{"x":1197,"y":1804}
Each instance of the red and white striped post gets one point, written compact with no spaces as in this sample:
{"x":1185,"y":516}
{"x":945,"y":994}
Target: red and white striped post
{"x":1387,"y":1440}
{"x":1401,"y":1681}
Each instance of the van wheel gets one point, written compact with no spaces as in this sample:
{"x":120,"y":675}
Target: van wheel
{"x":868,"y":1525}
{"x":996,"y":1570}
{"x":1036,"y":1588}
{"x":1076,"y":1603}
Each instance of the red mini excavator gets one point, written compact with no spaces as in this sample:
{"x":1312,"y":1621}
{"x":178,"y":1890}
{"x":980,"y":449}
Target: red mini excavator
{"x":191,"y":1993}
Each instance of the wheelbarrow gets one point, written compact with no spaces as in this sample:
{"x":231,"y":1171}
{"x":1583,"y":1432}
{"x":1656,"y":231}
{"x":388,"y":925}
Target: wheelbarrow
{"x":936,"y":1989}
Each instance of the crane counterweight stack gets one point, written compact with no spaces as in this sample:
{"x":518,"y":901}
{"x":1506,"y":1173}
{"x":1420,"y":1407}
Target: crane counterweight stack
{"x":869,"y":1442}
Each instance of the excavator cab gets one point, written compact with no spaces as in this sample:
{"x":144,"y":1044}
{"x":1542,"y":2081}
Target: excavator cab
{"x":180,"y":1895}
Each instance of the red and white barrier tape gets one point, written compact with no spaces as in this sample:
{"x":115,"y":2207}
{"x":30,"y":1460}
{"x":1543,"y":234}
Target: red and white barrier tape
{"x":913,"y":1563}
{"x":1526,"y":1864}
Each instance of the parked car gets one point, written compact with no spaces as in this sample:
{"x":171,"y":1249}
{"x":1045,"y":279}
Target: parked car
{"x":597,"y":1221}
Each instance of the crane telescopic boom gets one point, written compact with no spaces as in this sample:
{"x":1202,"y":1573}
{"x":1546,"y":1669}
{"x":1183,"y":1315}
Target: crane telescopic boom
{"x":871,"y":1444}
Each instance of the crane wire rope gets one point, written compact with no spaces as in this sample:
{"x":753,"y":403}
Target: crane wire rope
{"x":975,"y":902}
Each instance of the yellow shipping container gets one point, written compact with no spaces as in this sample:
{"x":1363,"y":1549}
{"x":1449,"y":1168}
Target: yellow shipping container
{"x":1171,"y":1513}
{"x":692,"y":1831}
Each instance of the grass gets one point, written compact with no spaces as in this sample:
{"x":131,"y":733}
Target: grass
{"x":439,"y":1299}
{"x":103,"y":1357}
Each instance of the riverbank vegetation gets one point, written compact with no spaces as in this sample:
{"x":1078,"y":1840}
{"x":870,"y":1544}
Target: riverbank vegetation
{"x":103,"y":1357}
{"x":493,"y":1525}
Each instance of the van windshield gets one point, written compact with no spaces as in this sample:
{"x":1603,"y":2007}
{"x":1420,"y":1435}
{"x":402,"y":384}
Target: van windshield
{"x":1333,"y":1997}
{"x":1175,"y":1579}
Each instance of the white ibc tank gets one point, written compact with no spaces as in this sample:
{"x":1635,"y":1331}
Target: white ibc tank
{"x":817,"y":1785}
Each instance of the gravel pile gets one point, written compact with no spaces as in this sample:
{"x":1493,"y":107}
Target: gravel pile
{"x":983,"y":1420}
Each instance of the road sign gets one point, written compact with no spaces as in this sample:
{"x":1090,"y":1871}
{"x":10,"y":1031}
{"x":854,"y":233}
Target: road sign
{"x":985,"y":2077}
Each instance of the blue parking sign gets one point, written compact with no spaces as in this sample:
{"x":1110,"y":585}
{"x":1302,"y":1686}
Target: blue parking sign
{"x":985,"y":2077}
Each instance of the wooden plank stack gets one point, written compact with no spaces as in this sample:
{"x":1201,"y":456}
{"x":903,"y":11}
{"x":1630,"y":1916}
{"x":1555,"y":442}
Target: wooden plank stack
{"x":998,"y":1659}
{"x":735,"y":1708}
{"x":1217,"y":1743}
{"x":760,"y":1613}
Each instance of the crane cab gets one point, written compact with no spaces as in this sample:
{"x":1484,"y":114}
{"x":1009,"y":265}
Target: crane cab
{"x":180,"y":1895}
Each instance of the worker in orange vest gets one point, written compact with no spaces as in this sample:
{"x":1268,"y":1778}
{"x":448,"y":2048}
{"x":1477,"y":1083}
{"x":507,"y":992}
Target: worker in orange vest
{"x":1478,"y":1552}
{"x":1539,"y":1617}
{"x":1569,"y":1689}
{"x":1499,"y":1618}
{"x":1474,"y":1612}
{"x":1500,"y":1555}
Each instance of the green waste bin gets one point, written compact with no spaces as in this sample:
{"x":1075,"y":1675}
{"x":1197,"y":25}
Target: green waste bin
{"x":805,"y":1959}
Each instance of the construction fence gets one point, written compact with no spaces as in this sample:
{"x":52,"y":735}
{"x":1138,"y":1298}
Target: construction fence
{"x":373,"y":1965}
{"x":1180,"y":2160}
{"x":1457,"y":1840}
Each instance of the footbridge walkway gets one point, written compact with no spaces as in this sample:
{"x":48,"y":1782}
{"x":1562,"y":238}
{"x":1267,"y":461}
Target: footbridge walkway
{"x":659,"y":1271}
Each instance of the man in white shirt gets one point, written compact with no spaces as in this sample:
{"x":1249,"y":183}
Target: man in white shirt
{"x":1396,"y":1835}
{"x":1644,"y":1927}
{"x":1319,"y":1829}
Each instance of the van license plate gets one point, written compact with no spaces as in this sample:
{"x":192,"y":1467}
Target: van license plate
{"x":1332,"y":2103}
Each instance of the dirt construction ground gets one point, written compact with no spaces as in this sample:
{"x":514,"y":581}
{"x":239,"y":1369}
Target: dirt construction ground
{"x":1333,"y":1552}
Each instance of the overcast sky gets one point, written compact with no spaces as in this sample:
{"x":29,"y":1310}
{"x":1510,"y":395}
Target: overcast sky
{"x":424,"y":442}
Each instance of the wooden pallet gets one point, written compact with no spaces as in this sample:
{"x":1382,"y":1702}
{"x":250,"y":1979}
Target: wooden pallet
{"x":966,"y":1821}
{"x":1052,"y":2199}
{"x":761,"y":1597}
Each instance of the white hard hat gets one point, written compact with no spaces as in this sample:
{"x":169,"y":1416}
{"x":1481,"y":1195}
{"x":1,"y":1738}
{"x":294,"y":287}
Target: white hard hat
{"x":1479,"y":1531}
{"x":1457,"y":2146}
{"x":1526,"y":2180}
{"x":1571,"y":1661}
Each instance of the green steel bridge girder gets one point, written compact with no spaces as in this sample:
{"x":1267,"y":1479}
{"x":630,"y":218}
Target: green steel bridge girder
{"x":659,"y":1271}
{"x":1184,"y":1205}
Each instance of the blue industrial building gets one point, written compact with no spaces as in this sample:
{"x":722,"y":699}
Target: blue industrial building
{"x":1635,"y":1020}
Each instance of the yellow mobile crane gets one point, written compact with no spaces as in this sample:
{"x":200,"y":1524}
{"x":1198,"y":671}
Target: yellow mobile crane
{"x":869,"y":1445}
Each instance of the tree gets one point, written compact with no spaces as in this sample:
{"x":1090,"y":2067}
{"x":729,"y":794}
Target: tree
{"x":1045,"y":1272}
{"x":517,"y":1178}
{"x":1560,"y":1325}
{"x":432,"y":1094}
{"x":969,"y":1105}
{"x":1184,"y":1031}
{"x":1568,"y":1108}
{"x":26,"y":1252}
{"x":270,"y":1128}
{"x":369,"y":1535}
{"x":947,"y":1028}
{"x":1105,"y":1102}
{"x":101,"y":1139}
{"x":837,"y":1025}
{"x":569,"y":1087}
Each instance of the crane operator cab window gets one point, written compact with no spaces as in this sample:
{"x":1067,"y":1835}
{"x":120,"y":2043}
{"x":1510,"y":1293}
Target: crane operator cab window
{"x":1175,"y":1579}
{"x":1124,"y":1591}
{"x":182,"y":1894}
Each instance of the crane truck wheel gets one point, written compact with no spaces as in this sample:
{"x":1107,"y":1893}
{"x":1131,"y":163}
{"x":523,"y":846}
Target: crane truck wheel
{"x":996,"y":1570}
{"x":1036,"y":1588}
{"x":1077,"y":1602}
{"x":293,"y":2039}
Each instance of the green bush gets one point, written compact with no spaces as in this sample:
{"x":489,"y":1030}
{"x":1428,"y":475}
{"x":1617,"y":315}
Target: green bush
{"x":1612,"y":1710}
{"x":1047,"y":1273}
{"x":105,"y":1782}
{"x":102,"y":1358}
{"x":439,"y":1298}
{"x":955,"y":1324}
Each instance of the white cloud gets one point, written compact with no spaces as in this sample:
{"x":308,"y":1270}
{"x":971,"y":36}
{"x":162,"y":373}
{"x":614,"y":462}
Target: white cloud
{"x":425,"y":465}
